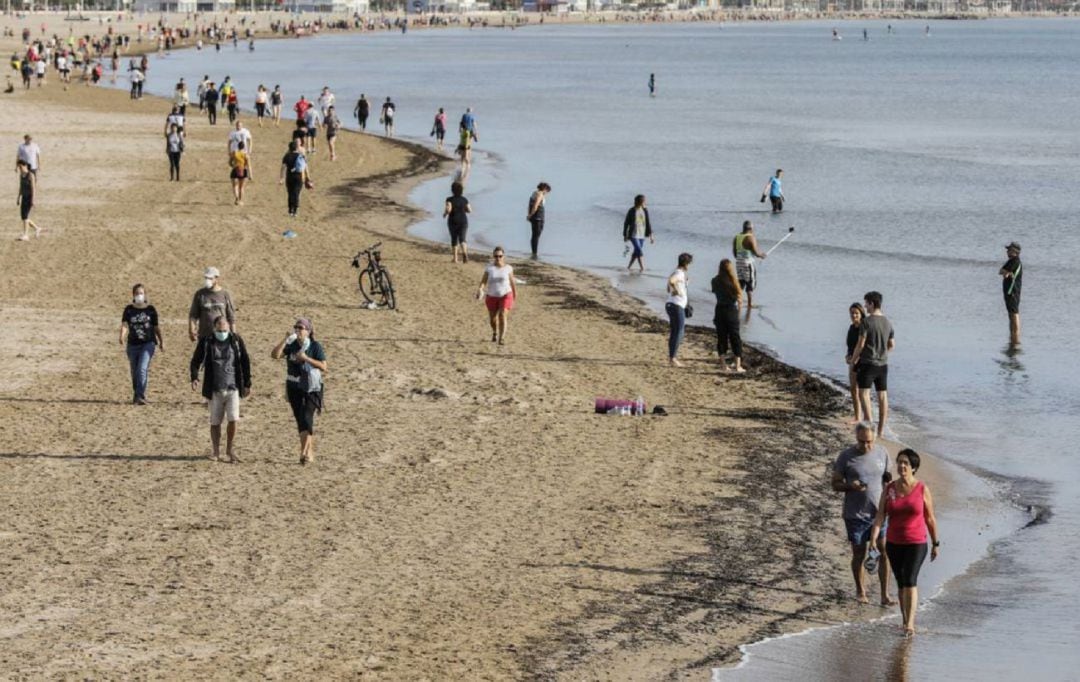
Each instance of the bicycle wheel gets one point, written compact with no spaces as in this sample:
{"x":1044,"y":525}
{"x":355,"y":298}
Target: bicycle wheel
{"x":368,"y":287}
{"x":387,"y":289}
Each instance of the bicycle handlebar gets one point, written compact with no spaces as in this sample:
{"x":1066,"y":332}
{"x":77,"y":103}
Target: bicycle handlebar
{"x":368,"y":250}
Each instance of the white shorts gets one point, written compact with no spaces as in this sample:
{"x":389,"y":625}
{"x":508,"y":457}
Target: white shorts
{"x":224,"y":406}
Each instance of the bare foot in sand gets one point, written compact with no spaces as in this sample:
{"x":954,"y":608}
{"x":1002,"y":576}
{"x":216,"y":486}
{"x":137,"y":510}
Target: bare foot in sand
{"x":862,"y":599}
{"x":888,"y":601}
{"x":909,"y":632}
{"x":674,"y":363}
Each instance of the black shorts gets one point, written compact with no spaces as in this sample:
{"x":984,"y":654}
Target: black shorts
{"x":1012,"y":303}
{"x":239,"y":174}
{"x":260,"y":109}
{"x":24,"y":209}
{"x":746,"y":286}
{"x":777,"y":204}
{"x":867,"y":375}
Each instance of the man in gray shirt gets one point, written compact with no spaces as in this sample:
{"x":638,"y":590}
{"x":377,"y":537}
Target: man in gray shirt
{"x":871,"y":358}
{"x":208,"y":303}
{"x":859,"y":473}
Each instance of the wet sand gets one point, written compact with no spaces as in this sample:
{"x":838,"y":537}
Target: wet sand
{"x":467,"y":516}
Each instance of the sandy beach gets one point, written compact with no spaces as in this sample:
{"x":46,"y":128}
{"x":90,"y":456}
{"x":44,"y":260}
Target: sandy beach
{"x":467,"y":515}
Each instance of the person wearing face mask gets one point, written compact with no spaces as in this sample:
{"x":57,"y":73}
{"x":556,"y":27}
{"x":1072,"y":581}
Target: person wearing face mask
{"x":140,"y":335}
{"x":210,"y":302}
{"x":305,"y":363}
{"x":226,"y":379}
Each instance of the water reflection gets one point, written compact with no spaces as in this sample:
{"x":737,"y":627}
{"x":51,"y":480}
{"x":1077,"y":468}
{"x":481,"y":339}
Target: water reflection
{"x":898,"y":670}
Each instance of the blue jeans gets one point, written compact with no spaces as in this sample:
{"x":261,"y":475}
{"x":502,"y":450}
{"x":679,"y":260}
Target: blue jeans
{"x":677,"y":315}
{"x":139,"y":355}
{"x":639,"y":247}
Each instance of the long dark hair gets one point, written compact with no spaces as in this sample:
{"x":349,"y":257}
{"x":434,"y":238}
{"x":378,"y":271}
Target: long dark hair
{"x":727,"y":278}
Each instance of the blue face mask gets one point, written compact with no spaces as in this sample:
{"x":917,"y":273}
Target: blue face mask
{"x":221,"y":336}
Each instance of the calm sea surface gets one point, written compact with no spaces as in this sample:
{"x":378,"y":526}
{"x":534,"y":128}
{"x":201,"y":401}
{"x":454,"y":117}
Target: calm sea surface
{"x":910,"y":160}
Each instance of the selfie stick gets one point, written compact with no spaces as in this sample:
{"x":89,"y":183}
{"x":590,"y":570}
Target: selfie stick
{"x":790,"y":231}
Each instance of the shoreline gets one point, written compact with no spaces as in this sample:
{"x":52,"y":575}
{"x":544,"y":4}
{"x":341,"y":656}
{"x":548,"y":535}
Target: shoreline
{"x":565,"y":288}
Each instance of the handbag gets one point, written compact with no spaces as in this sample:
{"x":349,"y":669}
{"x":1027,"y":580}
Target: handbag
{"x":689,"y":311}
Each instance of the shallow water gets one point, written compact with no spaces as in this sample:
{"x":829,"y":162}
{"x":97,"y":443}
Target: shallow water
{"x":909,"y":162}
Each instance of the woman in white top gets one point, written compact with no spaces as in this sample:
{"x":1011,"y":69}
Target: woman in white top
{"x":676,"y":307}
{"x":261,"y":97}
{"x":499,"y":291}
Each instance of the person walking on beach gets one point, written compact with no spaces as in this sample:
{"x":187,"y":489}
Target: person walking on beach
{"x":25,"y":200}
{"x":1011,"y":281}
{"x":456,"y":211}
{"x":301,"y":107}
{"x":174,"y":149}
{"x":676,"y":307}
{"x":181,"y":98}
{"x":774,"y":191}
{"x":438,"y":128}
{"x":175,"y":118}
{"x":294,"y":175}
{"x":726,"y":316}
{"x":468,"y":122}
{"x":499,"y":291}
{"x":876,"y":341}
{"x":141,"y":336}
{"x":232,"y":104}
{"x":312,"y":121}
{"x":211,"y":103}
{"x":238,"y":173}
{"x":859,"y":472}
{"x":652,"y":85}
{"x":464,"y":149}
{"x":332,"y":123}
{"x":276,"y":98}
{"x":326,"y":100}
{"x":535,"y":215}
{"x":857,"y":314}
{"x":907,"y":506}
{"x":209,"y":303}
{"x":305,"y":364}
{"x":200,"y":91}
{"x":29,"y":153}
{"x":261,"y":97}
{"x":744,"y":248}
{"x":386,"y":117}
{"x":241,"y":136}
{"x":636,"y":229}
{"x":226,"y":369}
{"x":361,"y":111}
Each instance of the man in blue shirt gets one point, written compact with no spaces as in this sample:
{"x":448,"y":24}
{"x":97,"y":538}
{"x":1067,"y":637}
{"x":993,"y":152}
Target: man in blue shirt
{"x":468,"y":122}
{"x":774,"y":192}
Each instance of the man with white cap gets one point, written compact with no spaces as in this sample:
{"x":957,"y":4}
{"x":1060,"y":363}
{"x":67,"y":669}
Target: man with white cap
{"x":210,"y":302}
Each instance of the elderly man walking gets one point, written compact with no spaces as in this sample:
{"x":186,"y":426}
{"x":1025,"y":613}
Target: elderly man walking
{"x":226,"y":379}
{"x":859,"y":472}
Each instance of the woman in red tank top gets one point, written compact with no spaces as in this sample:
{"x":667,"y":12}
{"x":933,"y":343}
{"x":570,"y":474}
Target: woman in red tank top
{"x":909,"y":507}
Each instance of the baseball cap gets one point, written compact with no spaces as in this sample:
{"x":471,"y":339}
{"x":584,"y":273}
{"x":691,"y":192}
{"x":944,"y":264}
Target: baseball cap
{"x":1013,"y":245}
{"x":212,"y":272}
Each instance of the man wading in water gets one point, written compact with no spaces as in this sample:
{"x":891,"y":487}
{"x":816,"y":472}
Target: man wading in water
{"x":1011,"y":279}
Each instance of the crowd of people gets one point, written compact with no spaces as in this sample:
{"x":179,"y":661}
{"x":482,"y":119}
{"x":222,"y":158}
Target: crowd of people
{"x":883,"y":516}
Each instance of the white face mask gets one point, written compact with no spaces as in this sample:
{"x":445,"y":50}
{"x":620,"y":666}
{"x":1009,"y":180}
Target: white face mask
{"x":140,"y":298}
{"x":208,"y":283}
{"x":306,"y":345}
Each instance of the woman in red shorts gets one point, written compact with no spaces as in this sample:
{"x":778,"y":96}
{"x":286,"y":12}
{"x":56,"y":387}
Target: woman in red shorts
{"x":909,"y":507}
{"x":499,"y":291}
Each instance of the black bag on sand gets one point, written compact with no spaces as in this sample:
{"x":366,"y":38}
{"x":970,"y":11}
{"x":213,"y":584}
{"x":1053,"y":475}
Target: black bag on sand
{"x":763,"y":198}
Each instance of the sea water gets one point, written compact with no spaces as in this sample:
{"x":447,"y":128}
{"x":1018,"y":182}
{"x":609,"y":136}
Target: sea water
{"x":910,"y":161}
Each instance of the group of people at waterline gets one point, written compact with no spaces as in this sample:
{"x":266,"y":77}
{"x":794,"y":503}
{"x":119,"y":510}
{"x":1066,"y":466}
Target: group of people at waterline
{"x":902,"y":508}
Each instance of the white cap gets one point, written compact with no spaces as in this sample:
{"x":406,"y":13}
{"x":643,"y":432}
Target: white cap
{"x":212,"y":272}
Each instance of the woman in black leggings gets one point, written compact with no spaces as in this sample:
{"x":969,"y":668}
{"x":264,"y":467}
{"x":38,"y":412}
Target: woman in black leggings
{"x":174,"y":148}
{"x":294,"y":175}
{"x":909,"y":508}
{"x":726,"y":318}
{"x":306,"y":362}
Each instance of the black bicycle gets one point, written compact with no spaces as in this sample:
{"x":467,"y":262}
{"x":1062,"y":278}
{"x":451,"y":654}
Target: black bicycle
{"x":375,"y":283}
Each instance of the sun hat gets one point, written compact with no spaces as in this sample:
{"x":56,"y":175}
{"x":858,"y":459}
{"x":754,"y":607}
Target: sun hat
{"x":212,"y":272}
